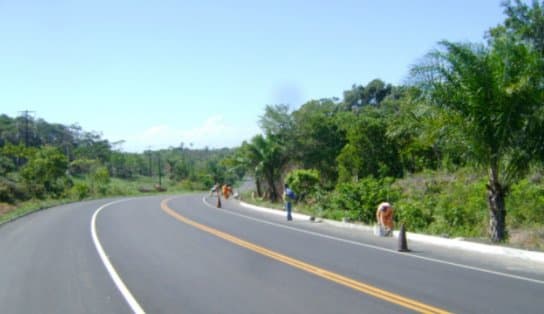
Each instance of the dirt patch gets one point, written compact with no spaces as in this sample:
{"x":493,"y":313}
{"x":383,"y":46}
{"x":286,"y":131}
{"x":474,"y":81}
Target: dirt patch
{"x":532,"y":239}
{"x":6,"y":208}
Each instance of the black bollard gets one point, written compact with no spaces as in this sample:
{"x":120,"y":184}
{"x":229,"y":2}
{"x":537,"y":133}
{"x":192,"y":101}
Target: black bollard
{"x":403,"y":243}
{"x":218,"y":201}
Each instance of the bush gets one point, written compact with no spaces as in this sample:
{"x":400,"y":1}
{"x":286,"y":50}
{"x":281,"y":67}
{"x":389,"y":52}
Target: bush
{"x":80,"y":190}
{"x":189,"y":185}
{"x":525,"y":204}
{"x":10,"y":192}
{"x":100,"y":179}
{"x":45,"y":172}
{"x":303,"y":181}
{"x":413,"y":214}
{"x":82,"y":166}
{"x":446,"y":204}
{"x":358,"y":200}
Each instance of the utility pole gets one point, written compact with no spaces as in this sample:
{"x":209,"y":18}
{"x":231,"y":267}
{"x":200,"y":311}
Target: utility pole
{"x":160,"y":177}
{"x":26,"y":116}
{"x":149,"y":156}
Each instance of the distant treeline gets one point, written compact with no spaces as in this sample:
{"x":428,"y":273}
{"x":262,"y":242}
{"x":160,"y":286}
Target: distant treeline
{"x":40,"y":160}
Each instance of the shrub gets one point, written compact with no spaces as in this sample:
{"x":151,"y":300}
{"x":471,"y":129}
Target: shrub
{"x":82,"y":166}
{"x":359,"y":199}
{"x":45,"y":172}
{"x":100,"y":179}
{"x":303,"y":181}
{"x":413,"y":214}
{"x":10,"y":192}
{"x":189,"y":185}
{"x":80,"y":190}
{"x":525,"y":204}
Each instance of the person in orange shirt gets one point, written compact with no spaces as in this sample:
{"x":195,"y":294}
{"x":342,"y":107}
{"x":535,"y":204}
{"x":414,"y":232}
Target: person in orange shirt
{"x":225,"y":190}
{"x":229,"y":189}
{"x":384,"y":216}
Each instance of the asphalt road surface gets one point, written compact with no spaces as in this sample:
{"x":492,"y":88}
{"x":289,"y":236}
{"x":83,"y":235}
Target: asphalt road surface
{"x":181,"y":254}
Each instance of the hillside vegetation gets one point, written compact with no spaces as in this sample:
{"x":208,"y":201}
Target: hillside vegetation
{"x":458,"y":149}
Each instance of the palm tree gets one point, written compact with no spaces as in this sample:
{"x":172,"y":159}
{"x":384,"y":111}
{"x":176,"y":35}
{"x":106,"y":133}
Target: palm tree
{"x":494,"y":95}
{"x":265,"y":157}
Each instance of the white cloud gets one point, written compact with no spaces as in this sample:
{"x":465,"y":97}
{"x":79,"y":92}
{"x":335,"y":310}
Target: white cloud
{"x":214,"y":132}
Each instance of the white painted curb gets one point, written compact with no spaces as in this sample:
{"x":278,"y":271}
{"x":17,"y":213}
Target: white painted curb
{"x":277,"y":212}
{"x":450,"y":243}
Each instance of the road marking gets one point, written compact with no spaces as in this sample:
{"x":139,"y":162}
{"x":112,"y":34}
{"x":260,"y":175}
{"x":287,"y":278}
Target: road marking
{"x":129,"y":298}
{"x":429,"y":259}
{"x":320,"y":272}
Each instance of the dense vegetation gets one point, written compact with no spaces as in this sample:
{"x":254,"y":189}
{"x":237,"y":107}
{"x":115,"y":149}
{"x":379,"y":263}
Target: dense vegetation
{"x":464,"y":133}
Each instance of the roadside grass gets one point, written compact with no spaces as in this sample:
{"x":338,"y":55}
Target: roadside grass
{"x":83,"y":190}
{"x":453,"y":204}
{"x":27,"y":207}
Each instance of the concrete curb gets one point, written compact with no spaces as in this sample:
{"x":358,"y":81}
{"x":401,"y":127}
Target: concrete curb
{"x":276,"y":212}
{"x":434,"y":240}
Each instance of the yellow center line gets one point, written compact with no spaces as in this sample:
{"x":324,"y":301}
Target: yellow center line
{"x":320,"y":272}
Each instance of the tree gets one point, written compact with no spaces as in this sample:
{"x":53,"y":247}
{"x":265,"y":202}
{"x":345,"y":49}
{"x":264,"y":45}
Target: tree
{"x":369,"y":151}
{"x":524,"y":23}
{"x":99,"y":179}
{"x":91,"y":146}
{"x":45,"y":172}
{"x":277,"y":121}
{"x":317,"y":138}
{"x":493,"y":95}
{"x":419,"y":129}
{"x":267,"y":158}
{"x":371,"y":94}
{"x":303,"y":181}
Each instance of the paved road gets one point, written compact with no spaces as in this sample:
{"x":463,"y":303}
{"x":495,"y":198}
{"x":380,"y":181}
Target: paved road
{"x":181,"y":255}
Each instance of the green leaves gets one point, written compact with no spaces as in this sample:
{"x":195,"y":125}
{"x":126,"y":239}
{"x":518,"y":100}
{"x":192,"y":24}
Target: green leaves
{"x":45,"y":172}
{"x":495,"y":92}
{"x":303,"y":181}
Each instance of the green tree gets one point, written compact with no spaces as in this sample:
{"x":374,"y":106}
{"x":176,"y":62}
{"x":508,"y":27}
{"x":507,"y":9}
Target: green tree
{"x":90,"y":145}
{"x":494,"y":98}
{"x":303,"y":181}
{"x":419,"y":130}
{"x":99,"y":179}
{"x":369,"y":151}
{"x":45,"y":172}
{"x":266,"y":156}
{"x":277,"y":121}
{"x":523,"y":22}
{"x":317,"y":138}
{"x":371,"y":94}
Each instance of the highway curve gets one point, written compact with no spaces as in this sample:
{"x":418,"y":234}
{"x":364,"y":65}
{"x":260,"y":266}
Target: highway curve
{"x":181,"y":254}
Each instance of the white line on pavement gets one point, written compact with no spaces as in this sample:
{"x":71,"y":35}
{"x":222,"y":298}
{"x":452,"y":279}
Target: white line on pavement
{"x":129,"y":298}
{"x":430,"y":259}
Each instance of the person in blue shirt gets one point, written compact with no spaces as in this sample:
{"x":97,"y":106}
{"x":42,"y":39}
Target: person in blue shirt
{"x":288,"y":197}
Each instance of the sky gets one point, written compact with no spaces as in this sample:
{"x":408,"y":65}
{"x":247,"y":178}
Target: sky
{"x":156,"y":74}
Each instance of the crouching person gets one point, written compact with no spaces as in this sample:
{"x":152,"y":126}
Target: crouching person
{"x":384,"y":216}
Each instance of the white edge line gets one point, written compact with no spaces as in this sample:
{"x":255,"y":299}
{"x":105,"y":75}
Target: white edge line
{"x":129,"y":298}
{"x":537,"y":257}
{"x":483,"y":270}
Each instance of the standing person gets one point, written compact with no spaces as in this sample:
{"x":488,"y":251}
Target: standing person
{"x":288,"y":196}
{"x":384,"y":216}
{"x":214,"y":189}
{"x":225,"y":191}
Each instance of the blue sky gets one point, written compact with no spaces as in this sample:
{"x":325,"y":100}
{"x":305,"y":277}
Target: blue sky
{"x":158,"y":73}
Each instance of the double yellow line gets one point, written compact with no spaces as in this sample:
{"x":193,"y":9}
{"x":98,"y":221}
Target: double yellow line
{"x":320,"y":272}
